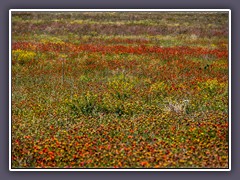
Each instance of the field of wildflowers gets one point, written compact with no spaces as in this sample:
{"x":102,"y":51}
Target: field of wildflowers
{"x":119,"y":90}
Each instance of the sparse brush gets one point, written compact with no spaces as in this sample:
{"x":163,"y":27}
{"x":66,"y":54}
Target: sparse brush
{"x":177,"y":107}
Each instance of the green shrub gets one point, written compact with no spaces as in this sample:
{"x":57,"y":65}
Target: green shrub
{"x":85,"y":104}
{"x":22,"y":56}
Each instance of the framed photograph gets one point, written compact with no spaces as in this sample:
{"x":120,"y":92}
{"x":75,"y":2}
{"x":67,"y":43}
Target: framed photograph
{"x":120,"y":90}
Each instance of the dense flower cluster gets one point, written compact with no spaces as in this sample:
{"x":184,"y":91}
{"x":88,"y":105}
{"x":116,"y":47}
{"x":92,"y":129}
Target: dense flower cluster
{"x":120,"y":49}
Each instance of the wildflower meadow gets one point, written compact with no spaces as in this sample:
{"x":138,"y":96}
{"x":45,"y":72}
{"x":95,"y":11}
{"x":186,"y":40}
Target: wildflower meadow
{"x":120,"y":90}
